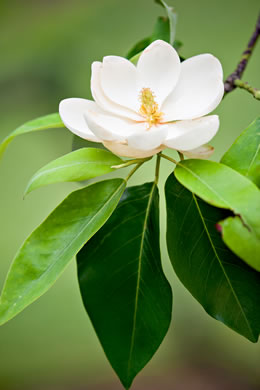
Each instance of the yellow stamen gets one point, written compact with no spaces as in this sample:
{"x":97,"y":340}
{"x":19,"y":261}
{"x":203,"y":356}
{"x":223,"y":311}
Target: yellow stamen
{"x":149,"y":108}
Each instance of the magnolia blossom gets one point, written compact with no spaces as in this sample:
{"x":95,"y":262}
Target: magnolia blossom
{"x":159,"y":103}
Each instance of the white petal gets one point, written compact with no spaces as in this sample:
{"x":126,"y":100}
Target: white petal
{"x":188,"y":135}
{"x":148,"y":139}
{"x":109,"y":127}
{"x":202,"y":152}
{"x":199,"y":90}
{"x":127,"y":151}
{"x":119,"y":81}
{"x":102,"y":100}
{"x":72,"y":113}
{"x":158,"y":68}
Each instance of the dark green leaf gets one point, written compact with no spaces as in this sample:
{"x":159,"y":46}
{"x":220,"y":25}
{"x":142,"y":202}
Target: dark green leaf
{"x":138,"y":47}
{"x":82,"y":164}
{"x":224,"y":285}
{"x":122,"y":283}
{"x":224,"y":187}
{"x":244,"y":154}
{"x":172,"y":16}
{"x":161,"y":30}
{"x":48,"y":250}
{"x":43,"y":123}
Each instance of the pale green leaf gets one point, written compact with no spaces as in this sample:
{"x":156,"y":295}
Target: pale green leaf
{"x":47,"y":251}
{"x":244,"y":154}
{"x":82,"y":164}
{"x":43,"y":123}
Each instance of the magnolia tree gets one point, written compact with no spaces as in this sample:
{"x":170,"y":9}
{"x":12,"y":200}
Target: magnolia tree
{"x":143,"y":105}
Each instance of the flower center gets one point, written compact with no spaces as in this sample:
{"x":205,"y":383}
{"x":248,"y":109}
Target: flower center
{"x":149,"y":108}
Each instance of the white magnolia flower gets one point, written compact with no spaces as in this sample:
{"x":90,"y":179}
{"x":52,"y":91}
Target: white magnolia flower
{"x":160,"y":103}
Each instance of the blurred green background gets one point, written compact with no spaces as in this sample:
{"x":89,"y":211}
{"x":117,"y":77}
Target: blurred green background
{"x":46,"y":49}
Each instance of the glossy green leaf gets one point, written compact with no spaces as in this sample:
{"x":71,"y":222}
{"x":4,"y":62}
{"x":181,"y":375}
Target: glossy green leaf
{"x":43,"y":123}
{"x":224,"y":285}
{"x":48,"y":250}
{"x":244,"y":154}
{"x":241,"y":241}
{"x":172,"y":16}
{"x":122,"y":283}
{"x":224,"y":187}
{"x":82,"y":164}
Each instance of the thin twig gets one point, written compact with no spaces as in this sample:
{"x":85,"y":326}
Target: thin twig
{"x":169,"y":159}
{"x":157,"y":168}
{"x":254,"y":91}
{"x":230,"y":83}
{"x":133,"y":171}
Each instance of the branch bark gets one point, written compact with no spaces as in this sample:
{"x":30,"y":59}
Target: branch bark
{"x":231,"y":82}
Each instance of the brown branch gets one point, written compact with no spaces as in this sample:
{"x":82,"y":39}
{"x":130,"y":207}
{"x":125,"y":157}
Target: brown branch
{"x":230,"y":83}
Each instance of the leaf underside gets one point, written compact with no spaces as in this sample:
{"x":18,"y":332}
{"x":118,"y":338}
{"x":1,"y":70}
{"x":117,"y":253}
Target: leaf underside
{"x":225,"y":286}
{"x":123,"y":287}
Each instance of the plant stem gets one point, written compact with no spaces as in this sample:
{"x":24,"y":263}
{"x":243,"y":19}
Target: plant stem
{"x":131,"y":162}
{"x":157,"y":168}
{"x":133,"y":171}
{"x":169,"y":159}
{"x":181,"y":156}
{"x":242,"y":84}
{"x":231,"y":83}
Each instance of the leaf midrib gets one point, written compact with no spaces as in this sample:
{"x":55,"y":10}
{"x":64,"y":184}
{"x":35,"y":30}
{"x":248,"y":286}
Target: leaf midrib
{"x":222,"y":267}
{"x":60,"y":167}
{"x":217,"y":194}
{"x":139,"y":278}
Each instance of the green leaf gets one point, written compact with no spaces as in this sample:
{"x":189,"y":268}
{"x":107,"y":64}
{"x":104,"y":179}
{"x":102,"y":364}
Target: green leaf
{"x":161,"y":30}
{"x":46,"y":253}
{"x":43,"y":123}
{"x":122,"y":283}
{"x":83,"y":164}
{"x":224,"y":187}
{"x":172,"y":16}
{"x":244,"y":154}
{"x":241,"y":241}
{"x":138,"y":48}
{"x":224,"y":285}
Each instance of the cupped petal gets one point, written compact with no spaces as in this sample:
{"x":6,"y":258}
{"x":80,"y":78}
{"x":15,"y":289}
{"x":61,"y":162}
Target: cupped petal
{"x":158,"y":68}
{"x":125,"y":150}
{"x":199,"y":90}
{"x":102,"y":100}
{"x":148,"y":139}
{"x":188,"y":135}
{"x":119,"y":81}
{"x":72,"y":112}
{"x":110,"y":127}
{"x":202,"y":152}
